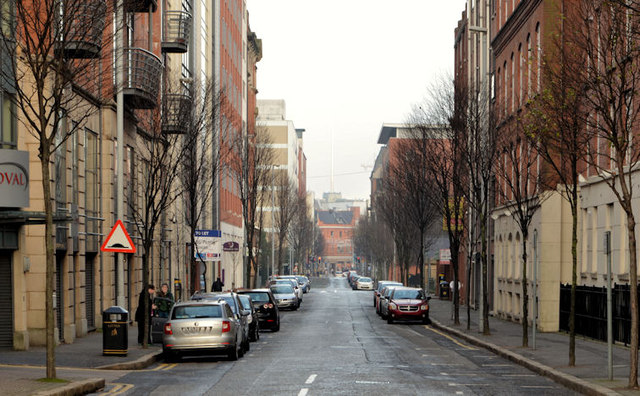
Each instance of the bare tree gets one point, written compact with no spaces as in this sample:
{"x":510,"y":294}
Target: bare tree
{"x":286,"y":196}
{"x":437,"y":121}
{"x":197,"y":115}
{"x":391,"y":204}
{"x":555,"y":126}
{"x":50,"y":52}
{"x":158,"y":181}
{"x":372,"y":241}
{"x":252,"y":165}
{"x":409,"y":172}
{"x":301,"y":231}
{"x":605,"y":33}
{"x":520,"y":185}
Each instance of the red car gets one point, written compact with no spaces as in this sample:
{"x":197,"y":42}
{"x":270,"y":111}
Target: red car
{"x":408,"y":303}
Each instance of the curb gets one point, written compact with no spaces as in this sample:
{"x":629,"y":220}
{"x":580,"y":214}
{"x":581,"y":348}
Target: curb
{"x":572,"y":382}
{"x":138,"y":364}
{"x":75,"y":388}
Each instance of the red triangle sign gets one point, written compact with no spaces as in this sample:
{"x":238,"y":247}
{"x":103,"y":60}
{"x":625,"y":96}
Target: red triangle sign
{"x":118,"y":240}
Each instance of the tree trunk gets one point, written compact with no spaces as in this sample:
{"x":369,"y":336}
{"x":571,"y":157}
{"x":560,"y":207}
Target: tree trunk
{"x":421,"y":259}
{"x":633,"y":290}
{"x":50,"y":276}
{"x":145,"y":282}
{"x":279,"y":256}
{"x":525,"y":295}
{"x":468,"y":290}
{"x":456,"y":291}
{"x":574,"y":278}
{"x":484,"y":258}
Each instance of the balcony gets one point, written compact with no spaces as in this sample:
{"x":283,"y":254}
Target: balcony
{"x":142,"y":73}
{"x":81,"y":37}
{"x":175,"y":117}
{"x":140,"y":5}
{"x":177,"y":31}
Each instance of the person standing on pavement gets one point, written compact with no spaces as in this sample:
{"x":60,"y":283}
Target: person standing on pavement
{"x":217,"y":285}
{"x":165,"y":301}
{"x":452,"y":287}
{"x":146,"y":293}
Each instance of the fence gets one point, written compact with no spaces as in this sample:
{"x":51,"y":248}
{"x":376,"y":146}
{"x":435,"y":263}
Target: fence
{"x":591,"y":311}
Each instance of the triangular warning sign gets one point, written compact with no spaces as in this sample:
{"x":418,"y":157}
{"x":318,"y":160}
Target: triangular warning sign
{"x":118,"y":240}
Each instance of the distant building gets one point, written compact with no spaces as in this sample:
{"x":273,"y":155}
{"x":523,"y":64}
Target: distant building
{"x":337,"y":227}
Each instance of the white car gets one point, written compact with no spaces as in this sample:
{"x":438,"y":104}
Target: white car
{"x":364,"y":283}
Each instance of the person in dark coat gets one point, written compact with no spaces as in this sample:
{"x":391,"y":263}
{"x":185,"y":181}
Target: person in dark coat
{"x":217,"y":285}
{"x":140,"y":311}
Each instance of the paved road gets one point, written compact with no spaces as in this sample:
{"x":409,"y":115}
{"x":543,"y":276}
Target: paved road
{"x":336,"y":344}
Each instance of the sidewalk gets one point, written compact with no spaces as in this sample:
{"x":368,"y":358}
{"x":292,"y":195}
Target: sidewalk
{"x":85,"y":352}
{"x":551,"y":356}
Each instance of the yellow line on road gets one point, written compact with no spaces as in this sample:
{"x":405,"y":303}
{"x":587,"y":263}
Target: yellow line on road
{"x":164,"y":367}
{"x":119,"y":389}
{"x":451,"y":338}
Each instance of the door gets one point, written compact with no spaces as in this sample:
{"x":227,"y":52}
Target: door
{"x":89,"y":291}
{"x":6,"y":300}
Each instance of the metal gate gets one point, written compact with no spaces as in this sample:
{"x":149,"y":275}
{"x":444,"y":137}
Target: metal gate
{"x":89,"y":290}
{"x":59,"y":294}
{"x":6,"y":300}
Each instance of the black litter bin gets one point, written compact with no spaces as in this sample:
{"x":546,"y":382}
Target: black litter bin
{"x":444,"y":291}
{"x":115,"y":337}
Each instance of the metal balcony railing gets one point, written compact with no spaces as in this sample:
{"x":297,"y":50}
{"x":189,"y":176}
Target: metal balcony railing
{"x":177,"y":31}
{"x":176,"y":112}
{"x":140,"y":5}
{"x":82,"y":30}
{"x":142,"y":73}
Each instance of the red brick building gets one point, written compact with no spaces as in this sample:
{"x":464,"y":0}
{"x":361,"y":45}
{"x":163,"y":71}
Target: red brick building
{"x":338,"y":228}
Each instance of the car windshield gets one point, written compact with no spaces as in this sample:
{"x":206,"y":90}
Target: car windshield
{"x":301,"y":279}
{"x":283,"y":289}
{"x":245,"y":301}
{"x":259,"y":297}
{"x":409,"y":294}
{"x":231,"y":303}
{"x":196,"y":311}
{"x":386,"y":284}
{"x":364,"y":279}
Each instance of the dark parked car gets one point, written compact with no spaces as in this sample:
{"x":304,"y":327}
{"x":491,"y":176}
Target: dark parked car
{"x":266,"y":308}
{"x":160,"y":317}
{"x":354,"y":280}
{"x":254,"y":325}
{"x":408,"y":303}
{"x":236,"y":306}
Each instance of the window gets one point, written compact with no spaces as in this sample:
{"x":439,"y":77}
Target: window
{"x":92,"y":191}
{"x":8,"y":138}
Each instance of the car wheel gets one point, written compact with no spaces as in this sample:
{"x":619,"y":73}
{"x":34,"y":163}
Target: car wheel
{"x":233,"y":353}
{"x":171,"y":357}
{"x":257,"y":333}
{"x":389,"y":319}
{"x":247,"y":346}
{"x":426,"y":319}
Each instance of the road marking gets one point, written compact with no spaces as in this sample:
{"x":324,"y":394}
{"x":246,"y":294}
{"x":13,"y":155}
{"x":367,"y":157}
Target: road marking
{"x":446,"y":364}
{"x":451,"y":338}
{"x":496,"y":365}
{"x":538,"y":386}
{"x":415,"y":332}
{"x":455,"y":384}
{"x":484,"y":356}
{"x":518,"y":375}
{"x":303,"y":392}
{"x":427,"y":355}
{"x":402,"y":366}
{"x":311,"y":378}
{"x":164,"y":367}
{"x":372,"y":382}
{"x":459,"y":393}
{"x":119,"y":389}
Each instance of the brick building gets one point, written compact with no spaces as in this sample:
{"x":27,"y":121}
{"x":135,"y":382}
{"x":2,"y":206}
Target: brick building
{"x":337,"y":227}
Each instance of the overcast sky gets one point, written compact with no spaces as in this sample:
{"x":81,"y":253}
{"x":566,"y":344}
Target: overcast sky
{"x":344,"y":67}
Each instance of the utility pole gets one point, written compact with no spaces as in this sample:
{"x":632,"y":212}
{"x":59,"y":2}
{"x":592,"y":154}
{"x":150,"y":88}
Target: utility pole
{"x":119,"y":143}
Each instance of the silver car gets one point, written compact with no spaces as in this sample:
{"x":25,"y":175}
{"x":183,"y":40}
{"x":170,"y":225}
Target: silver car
{"x":285,"y":296}
{"x":202,"y":327}
{"x":294,"y":283}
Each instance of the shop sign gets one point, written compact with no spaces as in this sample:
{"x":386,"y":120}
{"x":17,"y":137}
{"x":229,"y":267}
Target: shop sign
{"x":14,"y":178}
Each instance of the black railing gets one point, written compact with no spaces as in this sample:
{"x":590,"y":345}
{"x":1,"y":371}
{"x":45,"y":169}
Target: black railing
{"x":82,"y":30}
{"x":591,"y":312}
{"x":177,"y":30}
{"x":142,"y":74}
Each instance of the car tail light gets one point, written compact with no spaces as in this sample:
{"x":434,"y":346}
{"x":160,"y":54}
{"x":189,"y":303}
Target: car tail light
{"x":167,"y":329}
{"x":226,"y":326}
{"x":268,"y":306}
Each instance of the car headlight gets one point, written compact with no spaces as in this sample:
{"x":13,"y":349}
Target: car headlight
{"x":392,"y":306}
{"x":424,"y":307}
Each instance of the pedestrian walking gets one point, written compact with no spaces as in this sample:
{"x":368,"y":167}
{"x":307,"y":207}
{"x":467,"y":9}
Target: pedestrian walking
{"x":217,"y":285}
{"x":146,"y":293}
